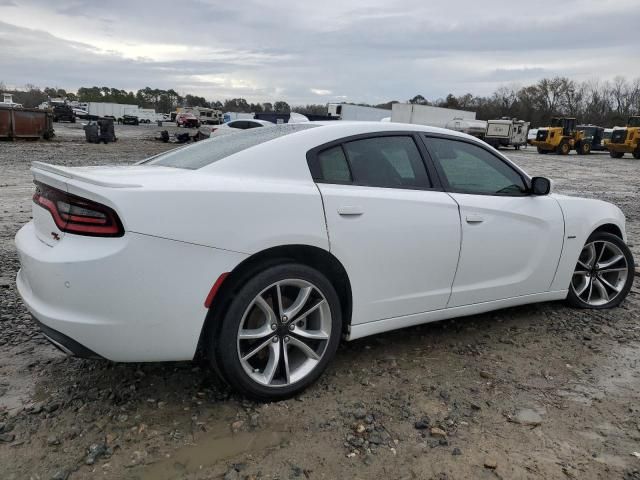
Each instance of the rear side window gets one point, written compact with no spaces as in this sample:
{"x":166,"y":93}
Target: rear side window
{"x":391,"y":162}
{"x":333,"y":166}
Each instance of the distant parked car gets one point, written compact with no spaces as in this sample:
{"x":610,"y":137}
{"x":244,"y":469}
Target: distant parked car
{"x":187,"y":120}
{"x":130,"y":120}
{"x":245,"y":124}
{"x":63,"y":113}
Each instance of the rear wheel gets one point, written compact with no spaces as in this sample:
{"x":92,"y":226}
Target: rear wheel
{"x":281,"y":330}
{"x":636,"y":153}
{"x":541,"y":151}
{"x":583,"y":148}
{"x":613,"y":154}
{"x":604,"y":273}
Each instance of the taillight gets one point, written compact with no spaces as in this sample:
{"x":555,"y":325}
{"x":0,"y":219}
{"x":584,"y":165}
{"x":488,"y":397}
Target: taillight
{"x":78,"y":215}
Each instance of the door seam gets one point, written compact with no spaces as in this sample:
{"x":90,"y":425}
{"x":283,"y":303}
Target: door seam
{"x":459,"y":250}
{"x":324,"y":214}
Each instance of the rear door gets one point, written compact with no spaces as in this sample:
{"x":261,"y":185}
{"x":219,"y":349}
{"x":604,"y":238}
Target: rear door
{"x":394,"y":230}
{"x":511,"y":240}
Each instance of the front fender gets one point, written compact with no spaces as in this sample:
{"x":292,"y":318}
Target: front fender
{"x":582,"y":216}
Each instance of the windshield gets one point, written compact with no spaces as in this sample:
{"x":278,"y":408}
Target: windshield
{"x":209,"y":151}
{"x":634,"y":122}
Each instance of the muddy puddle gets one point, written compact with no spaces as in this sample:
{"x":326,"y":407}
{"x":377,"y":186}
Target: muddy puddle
{"x":207,"y":452}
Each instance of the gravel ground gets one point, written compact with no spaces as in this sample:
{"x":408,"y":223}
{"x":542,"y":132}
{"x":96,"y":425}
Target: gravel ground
{"x":540,"y":391}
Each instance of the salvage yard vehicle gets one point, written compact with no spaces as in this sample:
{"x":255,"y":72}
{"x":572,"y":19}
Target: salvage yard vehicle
{"x":594,"y":135}
{"x":506,"y":132}
{"x":626,"y":140}
{"x":561,"y":137}
{"x":187,"y":120}
{"x":129,"y":120}
{"x":63,"y":113}
{"x":262,"y":248}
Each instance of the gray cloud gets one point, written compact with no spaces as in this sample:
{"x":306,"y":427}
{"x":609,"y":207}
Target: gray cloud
{"x":314,"y":52}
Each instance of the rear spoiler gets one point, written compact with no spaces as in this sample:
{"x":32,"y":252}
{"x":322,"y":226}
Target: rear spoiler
{"x":69,"y":173}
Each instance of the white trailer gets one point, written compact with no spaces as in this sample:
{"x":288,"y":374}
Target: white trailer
{"x":506,"y":132}
{"x":346,"y":111}
{"x":147,"y":115}
{"x":114,"y":110}
{"x":477,"y":128}
{"x":228,"y":116}
{"x":428,"y":115}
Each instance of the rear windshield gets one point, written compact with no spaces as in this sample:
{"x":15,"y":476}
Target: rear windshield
{"x":208,"y":151}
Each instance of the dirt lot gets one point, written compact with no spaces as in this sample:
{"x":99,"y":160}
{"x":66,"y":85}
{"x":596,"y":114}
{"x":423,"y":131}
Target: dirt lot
{"x":539,"y":391}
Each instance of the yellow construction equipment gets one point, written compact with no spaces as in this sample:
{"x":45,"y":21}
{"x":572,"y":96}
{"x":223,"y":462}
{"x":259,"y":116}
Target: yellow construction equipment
{"x":561,"y":137}
{"x":626,"y":140}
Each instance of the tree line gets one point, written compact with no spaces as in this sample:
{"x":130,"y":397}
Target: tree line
{"x":605,"y":103}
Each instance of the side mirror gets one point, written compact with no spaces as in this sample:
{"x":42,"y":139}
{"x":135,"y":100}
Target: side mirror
{"x":540,"y":186}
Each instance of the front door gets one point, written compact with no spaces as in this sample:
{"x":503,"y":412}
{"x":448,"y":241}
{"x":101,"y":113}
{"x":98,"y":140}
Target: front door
{"x":511,"y":240}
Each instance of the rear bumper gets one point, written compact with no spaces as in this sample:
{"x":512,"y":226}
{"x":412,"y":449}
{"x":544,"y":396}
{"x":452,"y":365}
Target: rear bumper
{"x":66,"y":344}
{"x":136,"y":298}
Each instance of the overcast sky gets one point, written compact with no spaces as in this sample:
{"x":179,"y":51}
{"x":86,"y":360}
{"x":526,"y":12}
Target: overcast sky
{"x":315,"y":51}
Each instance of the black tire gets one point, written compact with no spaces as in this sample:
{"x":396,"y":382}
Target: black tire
{"x":222,"y":342}
{"x":613,"y":154}
{"x":564,"y":148}
{"x":541,"y":151}
{"x":575,"y":301}
{"x":636,"y":154}
{"x":583,"y":148}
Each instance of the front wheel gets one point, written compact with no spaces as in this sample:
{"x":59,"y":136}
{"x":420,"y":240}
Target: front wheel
{"x":604,"y":273}
{"x":636,"y":154}
{"x":281,"y":330}
{"x":564,"y":148}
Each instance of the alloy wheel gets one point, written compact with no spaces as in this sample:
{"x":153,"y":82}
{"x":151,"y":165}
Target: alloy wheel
{"x":600,"y":274}
{"x":284,"y":333}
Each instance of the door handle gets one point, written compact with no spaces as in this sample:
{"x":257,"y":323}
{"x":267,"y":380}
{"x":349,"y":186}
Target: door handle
{"x":474,"y":219}
{"x":349,"y":210}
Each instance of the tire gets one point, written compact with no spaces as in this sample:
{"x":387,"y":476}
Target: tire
{"x":541,"y":151}
{"x":250,"y":376}
{"x":636,"y":154}
{"x":613,"y":154}
{"x":583,"y":148}
{"x":589,"y":281}
{"x":564,"y":148}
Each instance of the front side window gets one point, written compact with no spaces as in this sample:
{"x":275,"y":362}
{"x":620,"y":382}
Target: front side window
{"x":468,"y":168}
{"x":391,"y":162}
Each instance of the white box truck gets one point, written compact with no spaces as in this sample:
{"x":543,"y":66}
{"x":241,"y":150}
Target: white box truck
{"x":345,"y":111}
{"x":506,"y":132}
{"x":428,"y":115}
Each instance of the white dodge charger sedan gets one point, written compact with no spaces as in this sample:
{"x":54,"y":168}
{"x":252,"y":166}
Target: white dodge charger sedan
{"x":262,"y":249}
